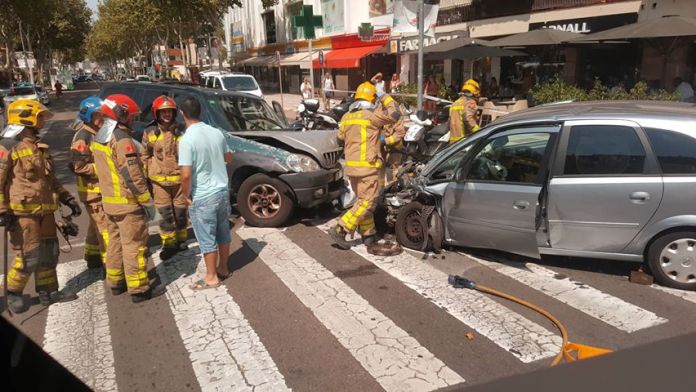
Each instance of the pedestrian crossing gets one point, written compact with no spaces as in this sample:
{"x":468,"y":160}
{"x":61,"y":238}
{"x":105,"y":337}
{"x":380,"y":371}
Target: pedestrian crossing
{"x":224,"y":349}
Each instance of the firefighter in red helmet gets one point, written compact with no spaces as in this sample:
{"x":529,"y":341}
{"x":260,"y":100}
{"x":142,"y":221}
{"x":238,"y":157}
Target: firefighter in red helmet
{"x":161,"y":157}
{"x":126,"y":199}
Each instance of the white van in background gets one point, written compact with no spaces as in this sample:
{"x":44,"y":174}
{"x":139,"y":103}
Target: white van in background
{"x":230,"y":81}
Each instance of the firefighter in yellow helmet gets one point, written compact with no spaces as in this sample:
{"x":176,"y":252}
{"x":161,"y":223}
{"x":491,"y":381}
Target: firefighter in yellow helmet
{"x":161,"y":157}
{"x":82,"y":164}
{"x":361,"y":131}
{"x":126,"y":200}
{"x":29,"y":196}
{"x":463,"y":112}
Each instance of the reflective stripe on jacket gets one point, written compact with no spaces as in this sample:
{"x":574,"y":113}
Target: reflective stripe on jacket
{"x":360,"y":131}
{"x":27,"y":178}
{"x":463,"y":119}
{"x":121,"y":176}
{"x":83,"y":165}
{"x":161,"y":154}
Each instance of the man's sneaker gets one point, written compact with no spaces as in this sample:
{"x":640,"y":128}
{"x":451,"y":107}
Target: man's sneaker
{"x":338,"y":234}
{"x":94,"y":262}
{"x":53,"y":297}
{"x":168,"y":252}
{"x":16,"y":303}
{"x":119,"y":289}
{"x":153,"y":292}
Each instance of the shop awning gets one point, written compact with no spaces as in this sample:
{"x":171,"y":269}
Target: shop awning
{"x":295,"y":59}
{"x":537,"y":37}
{"x":258,"y":61}
{"x":667,"y":26}
{"x":346,"y":58}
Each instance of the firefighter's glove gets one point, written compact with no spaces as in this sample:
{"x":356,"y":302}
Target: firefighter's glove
{"x":150,"y":212}
{"x":7,"y":219}
{"x":74,"y":207}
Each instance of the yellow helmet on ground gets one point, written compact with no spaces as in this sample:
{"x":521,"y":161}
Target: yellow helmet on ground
{"x":472,"y":87}
{"x":366,"y":91}
{"x":26,"y":112}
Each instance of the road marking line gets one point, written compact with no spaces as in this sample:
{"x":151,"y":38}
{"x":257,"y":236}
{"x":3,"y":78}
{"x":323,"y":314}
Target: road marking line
{"x":683,"y":294}
{"x":395,"y":359}
{"x":225,"y":352}
{"x":526,"y":340}
{"x":77,"y":333}
{"x":604,"y":307}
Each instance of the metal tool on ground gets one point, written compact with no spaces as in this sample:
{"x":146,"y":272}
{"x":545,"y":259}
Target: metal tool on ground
{"x":570,"y":352}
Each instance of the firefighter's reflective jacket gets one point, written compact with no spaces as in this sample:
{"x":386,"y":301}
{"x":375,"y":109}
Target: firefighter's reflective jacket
{"x":121,"y":175}
{"x":83,"y":164}
{"x":360,"y":129}
{"x":28,"y":179}
{"x":161,"y":154}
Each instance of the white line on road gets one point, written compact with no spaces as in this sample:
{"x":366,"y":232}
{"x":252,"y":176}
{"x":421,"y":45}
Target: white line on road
{"x":395,"y":359}
{"x":526,"y":340}
{"x":77,"y":333}
{"x":225,"y":352}
{"x":607,"y":308}
{"x":683,"y":294}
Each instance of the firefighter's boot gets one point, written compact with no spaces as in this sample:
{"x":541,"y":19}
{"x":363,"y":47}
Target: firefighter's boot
{"x":119,"y":288}
{"x":47,"y":298}
{"x":168,"y":252}
{"x":338,"y":234}
{"x":16,"y":302}
{"x":153,"y":292}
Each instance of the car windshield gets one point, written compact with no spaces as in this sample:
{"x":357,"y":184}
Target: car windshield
{"x":239,"y":83}
{"x":24,"y":91}
{"x":247,"y":113}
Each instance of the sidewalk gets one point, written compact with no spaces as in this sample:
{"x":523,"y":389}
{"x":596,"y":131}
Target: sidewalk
{"x":290,"y":102}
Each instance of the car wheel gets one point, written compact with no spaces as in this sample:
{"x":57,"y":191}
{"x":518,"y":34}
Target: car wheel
{"x":672,"y":260}
{"x":409,"y":229}
{"x":265,"y":201}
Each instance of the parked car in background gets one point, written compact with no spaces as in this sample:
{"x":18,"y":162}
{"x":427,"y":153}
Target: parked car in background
{"x":22,"y":91}
{"x":43,"y":95}
{"x":594,"y":180}
{"x":230,"y":81}
{"x":275,"y":170}
{"x":143,"y":78}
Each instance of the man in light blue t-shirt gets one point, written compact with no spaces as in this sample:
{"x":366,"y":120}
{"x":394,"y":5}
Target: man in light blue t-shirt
{"x":203,"y":154}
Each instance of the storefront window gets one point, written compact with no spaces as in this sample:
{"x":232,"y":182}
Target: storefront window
{"x":294,"y":9}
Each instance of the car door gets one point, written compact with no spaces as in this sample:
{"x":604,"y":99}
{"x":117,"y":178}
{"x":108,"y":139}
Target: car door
{"x":605,"y":186}
{"x":494,"y":199}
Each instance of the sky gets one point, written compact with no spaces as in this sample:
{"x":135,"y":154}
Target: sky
{"x":93,"y":5}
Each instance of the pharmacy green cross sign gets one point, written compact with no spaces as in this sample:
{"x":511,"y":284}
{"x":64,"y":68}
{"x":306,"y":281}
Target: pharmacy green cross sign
{"x":307,"y":21}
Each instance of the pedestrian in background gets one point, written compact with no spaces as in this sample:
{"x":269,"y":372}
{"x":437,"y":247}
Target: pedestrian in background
{"x":394,"y":84}
{"x":59,"y":89}
{"x":378,"y":81}
{"x":306,"y":89}
{"x":431,"y":88}
{"x":203,"y":153}
{"x":328,"y":91}
{"x":684,"y":89}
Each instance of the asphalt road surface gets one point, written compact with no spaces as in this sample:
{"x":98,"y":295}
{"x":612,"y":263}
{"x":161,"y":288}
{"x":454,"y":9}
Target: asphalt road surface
{"x":300,"y":314}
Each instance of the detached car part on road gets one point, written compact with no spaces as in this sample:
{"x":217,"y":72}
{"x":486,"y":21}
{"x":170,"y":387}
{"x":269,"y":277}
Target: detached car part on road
{"x":607,"y":180}
{"x":274,"y":169}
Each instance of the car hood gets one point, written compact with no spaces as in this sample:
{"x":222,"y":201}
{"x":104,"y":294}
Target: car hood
{"x":240,"y":144}
{"x":322,"y":145}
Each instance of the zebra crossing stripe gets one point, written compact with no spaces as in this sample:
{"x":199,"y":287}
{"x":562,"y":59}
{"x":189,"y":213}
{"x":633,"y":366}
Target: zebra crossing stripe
{"x":77,"y":333}
{"x":604,"y":307}
{"x":226,"y":354}
{"x":526,"y":340}
{"x":683,"y":294}
{"x":396,"y":360}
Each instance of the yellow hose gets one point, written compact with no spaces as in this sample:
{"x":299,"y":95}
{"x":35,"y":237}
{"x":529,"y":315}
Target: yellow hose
{"x":559,"y":325}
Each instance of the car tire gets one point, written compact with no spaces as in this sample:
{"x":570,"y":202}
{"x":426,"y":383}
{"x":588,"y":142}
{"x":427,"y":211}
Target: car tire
{"x":264,"y":201}
{"x":672,"y":260}
{"x":409,"y":228}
